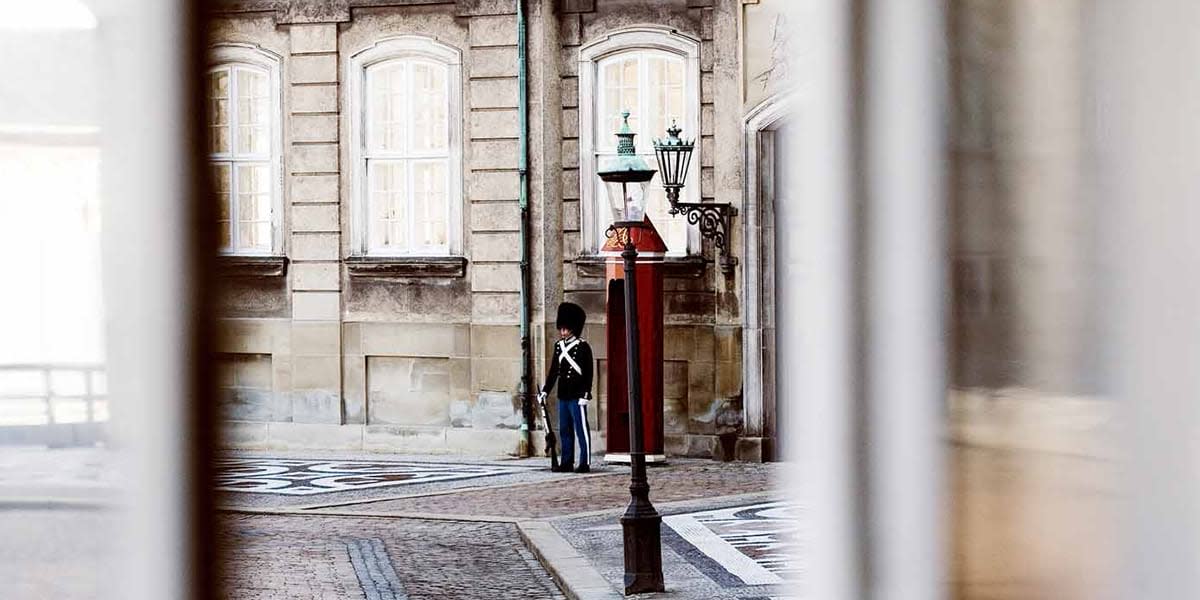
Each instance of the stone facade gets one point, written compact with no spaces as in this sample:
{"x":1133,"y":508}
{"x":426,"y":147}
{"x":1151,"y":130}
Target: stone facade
{"x":426,"y":358}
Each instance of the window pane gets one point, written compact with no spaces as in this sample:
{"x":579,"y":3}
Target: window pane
{"x":429,"y":130}
{"x":253,"y":112}
{"x":665,"y":81}
{"x":388,"y":226}
{"x":218,"y":111}
{"x":650,"y":84}
{"x":221,"y":188}
{"x":672,"y":228}
{"x":254,"y":206}
{"x":629,"y":72}
{"x":618,"y":92}
{"x":386,"y":90}
{"x":429,"y":202}
{"x":610,"y":119}
{"x":628,"y":101}
{"x":675,"y":72}
{"x":612,"y":75}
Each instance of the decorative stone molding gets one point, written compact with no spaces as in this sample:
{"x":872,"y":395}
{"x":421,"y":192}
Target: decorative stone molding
{"x":567,"y":7}
{"x":640,"y":37}
{"x":389,"y":267}
{"x":674,"y":267}
{"x":293,"y":12}
{"x":256,"y":267}
{"x":759,"y":269}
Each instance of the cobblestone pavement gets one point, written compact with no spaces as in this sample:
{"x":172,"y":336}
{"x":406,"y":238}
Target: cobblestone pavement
{"x":353,"y":555}
{"x":691,"y":567}
{"x":682,"y":480}
{"x":327,"y":558}
{"x":284,"y":548}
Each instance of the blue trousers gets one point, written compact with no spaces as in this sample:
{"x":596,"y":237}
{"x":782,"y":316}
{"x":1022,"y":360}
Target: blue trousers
{"x":573,"y":423}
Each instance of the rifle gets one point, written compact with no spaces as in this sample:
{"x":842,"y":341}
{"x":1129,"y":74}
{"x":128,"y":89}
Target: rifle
{"x":551,"y":440}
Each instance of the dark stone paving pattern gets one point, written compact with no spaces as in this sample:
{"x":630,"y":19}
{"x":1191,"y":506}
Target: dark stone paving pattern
{"x":376,"y":576}
{"x":307,"y":558}
{"x":688,"y":572}
{"x":682,"y":480}
{"x":309,"y":477}
{"x":524,"y":471}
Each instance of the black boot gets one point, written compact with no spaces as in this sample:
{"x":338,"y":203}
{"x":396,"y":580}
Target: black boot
{"x":584,"y":468}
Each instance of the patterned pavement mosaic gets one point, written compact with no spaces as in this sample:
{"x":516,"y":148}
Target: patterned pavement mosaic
{"x":301,"y":477}
{"x":753,"y":543}
{"x":723,"y":549}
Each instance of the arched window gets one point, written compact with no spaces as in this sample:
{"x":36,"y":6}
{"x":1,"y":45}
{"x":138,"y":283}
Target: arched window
{"x":243,"y":106}
{"x":406,"y":137}
{"x":654,"y":73}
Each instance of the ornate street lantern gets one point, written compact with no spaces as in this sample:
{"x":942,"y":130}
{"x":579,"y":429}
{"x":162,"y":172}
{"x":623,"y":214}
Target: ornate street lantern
{"x":674,"y":157}
{"x":625,"y":178}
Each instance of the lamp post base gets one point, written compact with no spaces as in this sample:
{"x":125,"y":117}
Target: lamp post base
{"x":622,"y":458}
{"x":643,"y":554}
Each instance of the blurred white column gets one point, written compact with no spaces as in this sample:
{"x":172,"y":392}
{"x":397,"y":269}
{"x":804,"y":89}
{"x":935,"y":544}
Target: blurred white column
{"x":1147,"y":134}
{"x":145,"y":197}
{"x":814,"y":321}
{"x":903,"y":297}
{"x":860,"y":224}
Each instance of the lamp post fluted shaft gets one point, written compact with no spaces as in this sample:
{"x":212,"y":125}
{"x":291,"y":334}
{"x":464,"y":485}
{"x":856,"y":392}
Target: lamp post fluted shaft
{"x":626,"y":177}
{"x":641,"y":523}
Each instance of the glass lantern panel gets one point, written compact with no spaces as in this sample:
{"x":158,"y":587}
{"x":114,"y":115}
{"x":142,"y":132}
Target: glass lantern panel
{"x":615,"y":192}
{"x":627,"y":200}
{"x":635,"y":201}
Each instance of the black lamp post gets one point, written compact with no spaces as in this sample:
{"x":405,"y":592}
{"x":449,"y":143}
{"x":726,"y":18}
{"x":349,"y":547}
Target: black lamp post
{"x":626,"y":177}
{"x":674,"y":156}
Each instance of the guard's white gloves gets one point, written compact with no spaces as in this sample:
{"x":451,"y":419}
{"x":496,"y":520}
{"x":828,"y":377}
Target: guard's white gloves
{"x":541,"y":396}
{"x":583,"y":402}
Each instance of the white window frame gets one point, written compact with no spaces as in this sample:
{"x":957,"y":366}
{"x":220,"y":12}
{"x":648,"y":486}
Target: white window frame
{"x":401,"y":47}
{"x":633,"y":39}
{"x":225,"y":55}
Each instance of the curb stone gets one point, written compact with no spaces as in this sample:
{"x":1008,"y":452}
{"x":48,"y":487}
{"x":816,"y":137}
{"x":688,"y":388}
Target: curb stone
{"x":574,"y":575}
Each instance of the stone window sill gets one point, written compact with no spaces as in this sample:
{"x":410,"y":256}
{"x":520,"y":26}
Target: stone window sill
{"x":674,"y":267}
{"x":252,"y":267}
{"x":387,"y":267}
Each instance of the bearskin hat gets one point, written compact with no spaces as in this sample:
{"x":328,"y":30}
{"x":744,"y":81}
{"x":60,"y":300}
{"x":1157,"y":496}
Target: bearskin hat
{"x":571,"y":316}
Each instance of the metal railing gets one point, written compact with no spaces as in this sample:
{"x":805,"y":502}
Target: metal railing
{"x":54,"y":404}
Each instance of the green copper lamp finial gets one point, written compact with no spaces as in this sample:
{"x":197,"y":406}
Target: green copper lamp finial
{"x":625,"y":136}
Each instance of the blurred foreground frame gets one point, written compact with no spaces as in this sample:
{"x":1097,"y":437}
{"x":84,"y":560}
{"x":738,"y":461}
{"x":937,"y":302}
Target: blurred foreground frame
{"x":159,"y":241}
{"x":158,"y":249}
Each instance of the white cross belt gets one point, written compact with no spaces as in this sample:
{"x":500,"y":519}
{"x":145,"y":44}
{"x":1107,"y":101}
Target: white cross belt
{"x":563,"y":349}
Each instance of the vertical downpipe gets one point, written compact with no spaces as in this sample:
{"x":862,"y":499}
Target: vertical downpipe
{"x":523,"y":169}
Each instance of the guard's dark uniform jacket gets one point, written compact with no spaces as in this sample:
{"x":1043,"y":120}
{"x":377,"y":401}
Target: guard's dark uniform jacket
{"x":573,"y":372}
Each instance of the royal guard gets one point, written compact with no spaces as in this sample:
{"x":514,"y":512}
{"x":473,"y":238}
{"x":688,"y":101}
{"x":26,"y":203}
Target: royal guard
{"x":571,"y":368}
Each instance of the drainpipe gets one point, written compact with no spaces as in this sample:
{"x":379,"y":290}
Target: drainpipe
{"x":523,"y":169}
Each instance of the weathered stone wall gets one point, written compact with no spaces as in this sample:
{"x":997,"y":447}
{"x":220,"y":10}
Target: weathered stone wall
{"x":432,"y":363}
{"x":702,"y":387}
